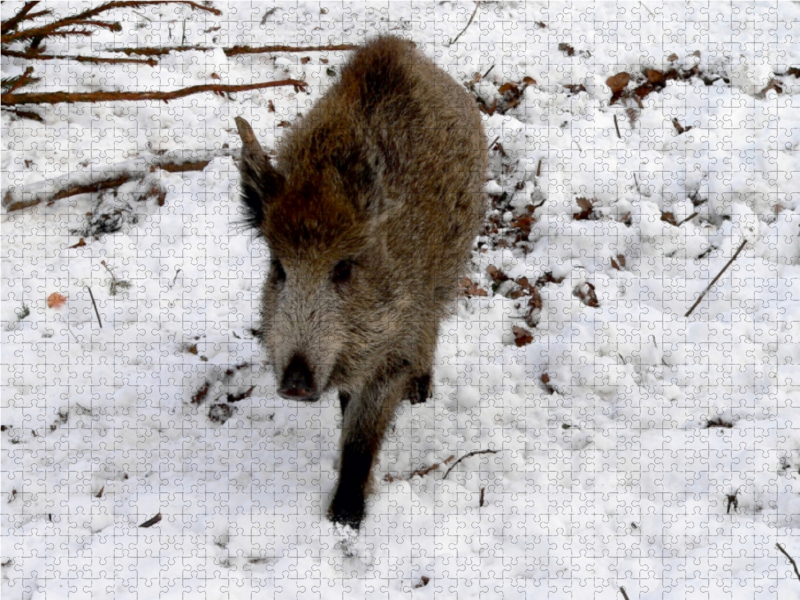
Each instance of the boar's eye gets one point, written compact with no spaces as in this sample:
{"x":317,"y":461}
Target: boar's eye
{"x":278,"y":275}
{"x":342,"y":271}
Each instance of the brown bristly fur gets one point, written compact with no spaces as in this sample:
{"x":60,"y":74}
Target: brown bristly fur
{"x":381,"y":181}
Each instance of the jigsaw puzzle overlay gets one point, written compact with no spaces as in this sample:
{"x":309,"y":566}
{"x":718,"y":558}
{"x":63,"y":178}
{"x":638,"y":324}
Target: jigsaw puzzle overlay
{"x":616,"y":394}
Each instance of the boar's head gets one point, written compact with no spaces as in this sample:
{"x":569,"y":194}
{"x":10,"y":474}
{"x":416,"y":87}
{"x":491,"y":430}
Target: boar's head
{"x":325,"y":306}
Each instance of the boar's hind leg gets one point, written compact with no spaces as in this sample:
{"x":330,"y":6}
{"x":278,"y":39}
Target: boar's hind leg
{"x":366,"y":418}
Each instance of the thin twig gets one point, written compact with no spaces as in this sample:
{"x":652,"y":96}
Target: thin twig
{"x":487,"y":72}
{"x":232,"y":51}
{"x":22,"y":15}
{"x":97,"y":312}
{"x":624,"y":593}
{"x":79,"y":97}
{"x":262,"y":49}
{"x":710,"y":285}
{"x":73,"y":333}
{"x":477,"y":6}
{"x":791,"y":560}
{"x":421,"y":472}
{"x":113,"y":277}
{"x":115,"y":181}
{"x":689,"y":218}
{"x":83,"y":19}
{"x":616,"y":126}
{"x":66,"y":186}
{"x":85,"y":59}
{"x":17,"y":82}
{"x":467,"y":456}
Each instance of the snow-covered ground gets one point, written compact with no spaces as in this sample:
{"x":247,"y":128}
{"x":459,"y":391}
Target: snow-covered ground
{"x":635,"y":447}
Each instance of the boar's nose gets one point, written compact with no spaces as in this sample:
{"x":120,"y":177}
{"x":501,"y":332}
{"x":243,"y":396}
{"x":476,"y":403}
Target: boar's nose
{"x":298,"y":382}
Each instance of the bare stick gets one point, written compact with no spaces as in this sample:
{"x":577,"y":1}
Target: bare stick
{"x":467,"y":456}
{"x":73,"y":333}
{"x":17,"y":82}
{"x":616,"y":126}
{"x":791,"y":560}
{"x":689,"y":218}
{"x":648,"y":10}
{"x":710,"y":285}
{"x":22,"y":15}
{"x":232,"y":51}
{"x":624,"y":593}
{"x":83,"y":19}
{"x":97,"y":312}
{"x":91,"y":188}
{"x":113,"y":277}
{"x":85,"y":59}
{"x":80,"y":97}
{"x":264,"y":49}
{"x":422,"y":471}
{"x":65,"y":186}
{"x":477,"y":6}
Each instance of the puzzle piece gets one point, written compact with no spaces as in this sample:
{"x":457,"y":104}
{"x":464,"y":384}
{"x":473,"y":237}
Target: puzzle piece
{"x":612,"y":409}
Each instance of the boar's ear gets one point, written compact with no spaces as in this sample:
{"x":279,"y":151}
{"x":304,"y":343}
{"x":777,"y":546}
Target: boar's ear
{"x":261,"y":183}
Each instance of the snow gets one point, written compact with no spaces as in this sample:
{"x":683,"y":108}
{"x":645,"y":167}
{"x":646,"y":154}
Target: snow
{"x":612,"y":480}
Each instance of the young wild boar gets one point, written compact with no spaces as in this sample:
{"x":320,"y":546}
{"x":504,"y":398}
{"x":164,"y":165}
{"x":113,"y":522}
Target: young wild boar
{"x":370,"y":212}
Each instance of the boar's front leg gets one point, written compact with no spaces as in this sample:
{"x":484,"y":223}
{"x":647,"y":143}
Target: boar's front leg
{"x":419,"y":389}
{"x":366,"y":417}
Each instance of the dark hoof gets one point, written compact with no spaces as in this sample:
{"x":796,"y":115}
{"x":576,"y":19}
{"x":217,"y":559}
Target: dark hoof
{"x":419,"y":389}
{"x":347,"y":508}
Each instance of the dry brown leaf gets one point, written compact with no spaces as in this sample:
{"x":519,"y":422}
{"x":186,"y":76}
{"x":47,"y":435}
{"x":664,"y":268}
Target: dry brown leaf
{"x":618,"y":82}
{"x":586,"y":294}
{"x":56,"y":300}
{"x":587,"y":207}
{"x":522,"y":336}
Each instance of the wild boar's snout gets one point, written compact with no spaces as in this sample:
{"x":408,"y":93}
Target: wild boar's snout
{"x":298,"y":382}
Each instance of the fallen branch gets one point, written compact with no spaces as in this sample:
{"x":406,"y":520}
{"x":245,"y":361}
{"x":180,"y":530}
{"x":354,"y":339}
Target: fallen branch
{"x":26,"y":114}
{"x":10,"y":99}
{"x":24,"y":14}
{"x":467,"y":456}
{"x":710,"y":285}
{"x":791,"y":560}
{"x":421,"y":472}
{"x":83,"y":19}
{"x":234,"y":50}
{"x":85,"y":59}
{"x":13,"y":83}
{"x":477,"y":6}
{"x":264,"y":49}
{"x":150,"y":51}
{"x":73,"y":184}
